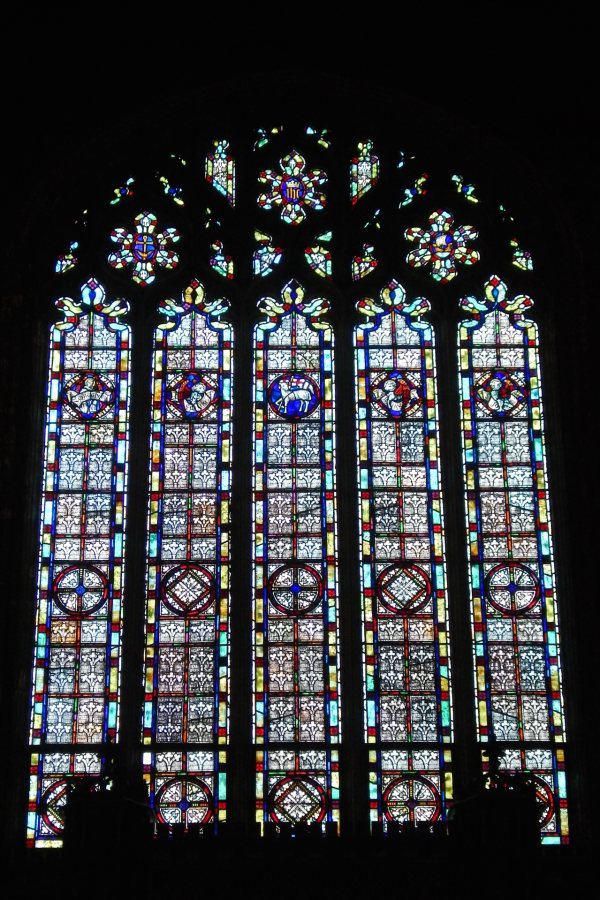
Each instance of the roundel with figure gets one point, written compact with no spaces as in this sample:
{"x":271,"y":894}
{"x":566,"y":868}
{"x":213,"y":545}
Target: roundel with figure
{"x":294,"y":395}
{"x":499,"y":393}
{"x":89,"y":396}
{"x":395,"y":394}
{"x":191,"y":394}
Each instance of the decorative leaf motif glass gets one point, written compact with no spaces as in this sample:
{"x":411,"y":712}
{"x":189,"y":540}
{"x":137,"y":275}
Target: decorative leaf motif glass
{"x":76,"y":680}
{"x":319,"y":259}
{"x":364,"y":171}
{"x":266,"y":256}
{"x":296,"y":693}
{"x":220,"y":261}
{"x":511,"y":568}
{"x":366,"y":264}
{"x":220,"y":171}
{"x":403,"y":579}
{"x":187,"y":615}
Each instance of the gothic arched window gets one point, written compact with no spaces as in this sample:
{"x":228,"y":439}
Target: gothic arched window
{"x":276,"y":317}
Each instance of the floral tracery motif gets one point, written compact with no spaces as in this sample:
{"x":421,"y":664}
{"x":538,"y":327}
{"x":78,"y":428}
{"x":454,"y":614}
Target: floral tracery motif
{"x":442,"y":245}
{"x":144,"y":248}
{"x":293,"y":189}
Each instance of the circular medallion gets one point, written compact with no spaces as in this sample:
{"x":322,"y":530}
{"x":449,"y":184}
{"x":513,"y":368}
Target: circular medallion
{"x":544,"y":800}
{"x":52,"y":805}
{"x":188,"y":589}
{"x":442,"y":244}
{"x":512,"y":588}
{"x":292,"y":189}
{"x":185,"y":801}
{"x":296,"y":799}
{"x":88,"y":396}
{"x":191,"y":394}
{"x":80,"y":590}
{"x":144,"y":247}
{"x":499,"y":394}
{"x":411,"y":798}
{"x":294,"y":395}
{"x":295,"y":589}
{"x":395,"y":394}
{"x":403,"y":588}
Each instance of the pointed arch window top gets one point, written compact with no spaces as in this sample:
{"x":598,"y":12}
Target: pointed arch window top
{"x":495,"y":298}
{"x":193,"y":298}
{"x":292,"y":297}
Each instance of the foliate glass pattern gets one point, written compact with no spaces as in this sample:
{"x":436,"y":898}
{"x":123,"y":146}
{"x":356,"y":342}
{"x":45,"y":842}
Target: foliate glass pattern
{"x":187,"y":622}
{"x":296,"y":677}
{"x":513,"y":590}
{"x":76,"y":677}
{"x":408,"y":713}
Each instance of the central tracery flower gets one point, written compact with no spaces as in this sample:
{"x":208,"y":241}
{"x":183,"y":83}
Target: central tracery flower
{"x":293,"y":189}
{"x":442,"y":246}
{"x":144,"y":248}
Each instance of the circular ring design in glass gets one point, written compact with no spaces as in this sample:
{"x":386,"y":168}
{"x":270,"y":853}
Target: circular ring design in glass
{"x":296,"y":798}
{"x":544,"y":800}
{"x":80,"y":590}
{"x":292,"y":189}
{"x":441,"y":245}
{"x":395,"y":393}
{"x":188,"y":589}
{"x":89,"y":396}
{"x":499,"y":393}
{"x":294,"y":395}
{"x":52,"y":805}
{"x":403,"y":588}
{"x":411,"y":798}
{"x":512,"y":588}
{"x":187,"y":801}
{"x":144,"y":247}
{"x":191,"y":394}
{"x":295,"y":589}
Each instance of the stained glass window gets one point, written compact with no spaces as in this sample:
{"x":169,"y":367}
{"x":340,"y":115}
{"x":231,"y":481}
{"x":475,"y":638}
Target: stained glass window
{"x":187,"y":617}
{"x":301,"y":213}
{"x":296,"y":675}
{"x":405,"y":639}
{"x":514,"y":615}
{"x":76,"y":683}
